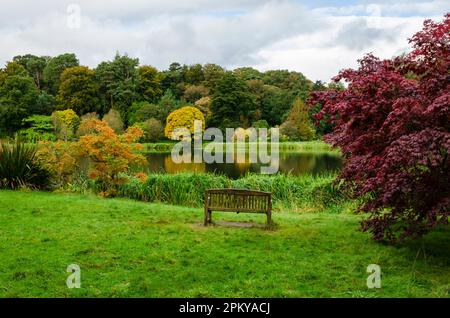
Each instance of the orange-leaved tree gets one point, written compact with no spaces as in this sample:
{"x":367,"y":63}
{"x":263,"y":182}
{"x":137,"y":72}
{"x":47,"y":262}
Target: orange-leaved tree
{"x":59,"y":158}
{"x":110,"y":154}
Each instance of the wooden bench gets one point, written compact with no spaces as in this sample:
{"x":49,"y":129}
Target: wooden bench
{"x":236,"y":200}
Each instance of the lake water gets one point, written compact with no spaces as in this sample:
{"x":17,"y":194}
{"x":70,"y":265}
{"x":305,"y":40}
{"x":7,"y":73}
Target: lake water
{"x":289,"y":162}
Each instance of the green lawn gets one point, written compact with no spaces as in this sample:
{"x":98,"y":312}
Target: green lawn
{"x":135,"y":249}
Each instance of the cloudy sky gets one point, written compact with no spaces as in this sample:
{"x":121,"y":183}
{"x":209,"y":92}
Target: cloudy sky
{"x":315,"y":37}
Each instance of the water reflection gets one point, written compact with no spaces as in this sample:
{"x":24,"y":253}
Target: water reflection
{"x":295,"y":163}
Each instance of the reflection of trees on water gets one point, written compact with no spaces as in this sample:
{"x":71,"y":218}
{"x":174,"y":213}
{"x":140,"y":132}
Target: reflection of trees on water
{"x":296,"y":163}
{"x":171,"y":167}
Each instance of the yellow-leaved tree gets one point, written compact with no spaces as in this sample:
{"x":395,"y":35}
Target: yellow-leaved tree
{"x":183,"y":118}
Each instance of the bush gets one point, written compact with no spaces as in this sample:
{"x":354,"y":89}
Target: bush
{"x":37,"y":128}
{"x":153,"y":130}
{"x":260,"y":124}
{"x":18,"y":167}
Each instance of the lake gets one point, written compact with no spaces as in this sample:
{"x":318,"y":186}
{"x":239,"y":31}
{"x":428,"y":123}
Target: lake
{"x":289,"y":162}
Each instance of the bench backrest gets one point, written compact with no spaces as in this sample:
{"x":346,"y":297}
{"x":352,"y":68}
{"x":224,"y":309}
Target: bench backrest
{"x":237,"y":200}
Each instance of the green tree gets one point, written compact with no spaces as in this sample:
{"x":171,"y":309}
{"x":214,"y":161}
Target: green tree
{"x":275,"y":104}
{"x":193,"y":74}
{"x":143,"y":111}
{"x":167,"y":104}
{"x":232,"y":104}
{"x":45,"y":104}
{"x":54,"y":68}
{"x":247,"y":73}
{"x":118,"y":83}
{"x":172,"y":79}
{"x":149,"y":83}
{"x":35,"y":66}
{"x":78,"y":90}
{"x":212,"y":74}
{"x":18,"y":96}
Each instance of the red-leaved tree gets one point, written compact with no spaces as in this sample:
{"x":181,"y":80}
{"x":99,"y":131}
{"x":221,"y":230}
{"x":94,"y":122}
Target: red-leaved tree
{"x":393,"y":126}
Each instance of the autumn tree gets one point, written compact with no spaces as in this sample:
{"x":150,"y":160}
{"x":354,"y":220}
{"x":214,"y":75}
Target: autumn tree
{"x":66,"y":123}
{"x":183,"y":118}
{"x":204,"y":105}
{"x":110,"y":153}
{"x":298,"y":124}
{"x":392,"y":124}
{"x":78,"y":90}
{"x":192,"y":93}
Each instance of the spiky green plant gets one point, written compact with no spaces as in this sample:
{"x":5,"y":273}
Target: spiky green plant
{"x":18,"y":167}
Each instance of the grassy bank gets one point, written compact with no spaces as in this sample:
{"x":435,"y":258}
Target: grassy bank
{"x":293,"y":193}
{"x":291,"y":146}
{"x":135,"y":249}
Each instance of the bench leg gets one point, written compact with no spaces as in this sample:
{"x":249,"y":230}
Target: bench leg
{"x":208,"y":217}
{"x":269,"y":220}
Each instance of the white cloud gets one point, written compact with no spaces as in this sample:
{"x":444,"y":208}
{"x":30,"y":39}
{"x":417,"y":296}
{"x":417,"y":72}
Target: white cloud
{"x":264,"y":34}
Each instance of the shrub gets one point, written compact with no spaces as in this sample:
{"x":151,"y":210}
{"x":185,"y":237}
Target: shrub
{"x":262,"y":123}
{"x":153,"y":130}
{"x":145,"y":112}
{"x":18,"y":167}
{"x":37,"y":127}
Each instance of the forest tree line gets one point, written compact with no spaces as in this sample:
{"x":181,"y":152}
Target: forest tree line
{"x":44,"y":98}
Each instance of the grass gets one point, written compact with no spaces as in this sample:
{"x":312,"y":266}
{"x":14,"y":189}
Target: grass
{"x":316,"y":146}
{"x":296,"y":193}
{"x":136,"y":249}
